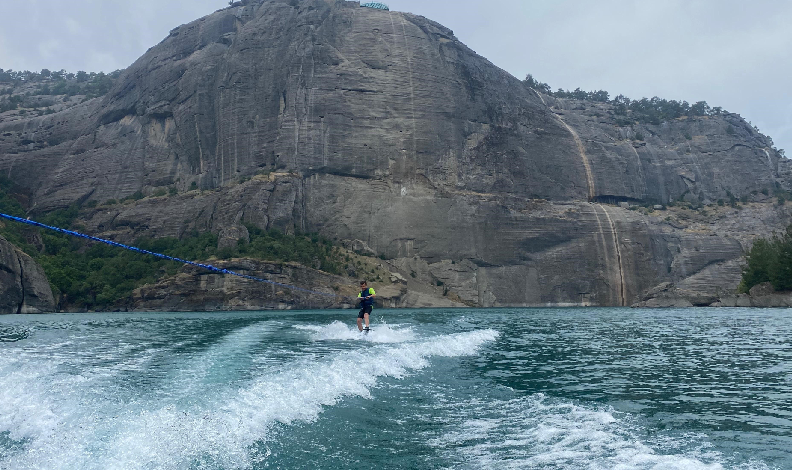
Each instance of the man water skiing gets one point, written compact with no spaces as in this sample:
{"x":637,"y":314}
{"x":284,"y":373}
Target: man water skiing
{"x":366,"y":297}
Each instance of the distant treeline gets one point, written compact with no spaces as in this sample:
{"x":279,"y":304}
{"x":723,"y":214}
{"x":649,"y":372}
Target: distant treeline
{"x":20,"y":85}
{"x":770,"y":260}
{"x":645,"y":110}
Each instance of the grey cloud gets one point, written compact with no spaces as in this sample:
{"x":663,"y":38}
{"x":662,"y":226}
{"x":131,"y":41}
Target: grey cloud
{"x":91,"y":35}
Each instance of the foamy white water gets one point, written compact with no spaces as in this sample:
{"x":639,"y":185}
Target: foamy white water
{"x":471,"y":390}
{"x":536,"y":432}
{"x":193,"y":417}
{"x":337,"y":330}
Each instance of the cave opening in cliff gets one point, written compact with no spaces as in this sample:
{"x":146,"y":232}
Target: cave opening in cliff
{"x":615,"y":200}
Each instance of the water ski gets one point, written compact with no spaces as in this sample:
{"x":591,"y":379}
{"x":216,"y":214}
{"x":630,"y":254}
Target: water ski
{"x":366,"y":330}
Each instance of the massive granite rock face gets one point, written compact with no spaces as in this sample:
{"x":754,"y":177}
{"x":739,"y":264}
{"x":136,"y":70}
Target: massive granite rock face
{"x":304,"y":86}
{"x":382,"y":127}
{"x":196,"y":290}
{"x":23,"y":285}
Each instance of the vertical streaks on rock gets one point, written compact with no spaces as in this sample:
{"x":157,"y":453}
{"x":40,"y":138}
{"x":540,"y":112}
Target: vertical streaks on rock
{"x":200,"y":149}
{"x":23,"y":285}
{"x":412,"y":88}
{"x":641,"y":174}
{"x":613,"y":262}
{"x":540,"y":96}
{"x":615,"y":235}
{"x":773,"y":168}
{"x":582,"y":150}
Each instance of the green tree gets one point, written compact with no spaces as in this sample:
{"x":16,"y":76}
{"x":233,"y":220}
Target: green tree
{"x":537,"y":85}
{"x":782,"y":274}
{"x":769,"y":260}
{"x":701,"y":108}
{"x":759,"y":268}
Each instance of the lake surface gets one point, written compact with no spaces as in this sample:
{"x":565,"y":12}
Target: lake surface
{"x":454,"y":388}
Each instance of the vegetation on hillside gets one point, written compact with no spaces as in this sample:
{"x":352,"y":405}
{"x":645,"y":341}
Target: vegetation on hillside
{"x":770,"y":260}
{"x":645,"y":110}
{"x":95,"y":276}
{"x":37,"y":90}
{"x":628,"y":112}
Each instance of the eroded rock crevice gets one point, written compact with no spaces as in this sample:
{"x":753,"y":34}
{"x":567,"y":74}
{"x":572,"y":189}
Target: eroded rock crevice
{"x":24,"y":287}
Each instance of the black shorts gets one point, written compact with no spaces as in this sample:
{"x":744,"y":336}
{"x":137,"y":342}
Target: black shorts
{"x":364,"y":310}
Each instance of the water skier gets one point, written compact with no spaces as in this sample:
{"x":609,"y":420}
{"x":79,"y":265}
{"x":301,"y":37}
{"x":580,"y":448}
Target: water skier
{"x":366,"y":297}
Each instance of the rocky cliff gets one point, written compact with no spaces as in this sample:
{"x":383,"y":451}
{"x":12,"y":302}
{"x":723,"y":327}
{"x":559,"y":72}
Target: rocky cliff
{"x":381,"y":127}
{"x":196,"y":290}
{"x":23,"y":285}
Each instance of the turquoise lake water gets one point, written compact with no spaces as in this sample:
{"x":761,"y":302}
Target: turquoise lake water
{"x":435,"y":389}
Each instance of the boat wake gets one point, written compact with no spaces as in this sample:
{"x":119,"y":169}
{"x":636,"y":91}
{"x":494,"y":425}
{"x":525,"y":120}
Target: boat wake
{"x":51,"y":417}
{"x":380,"y":333}
{"x":539,"y":432}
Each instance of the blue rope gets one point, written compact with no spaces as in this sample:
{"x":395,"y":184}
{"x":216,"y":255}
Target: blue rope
{"x":159,"y":255}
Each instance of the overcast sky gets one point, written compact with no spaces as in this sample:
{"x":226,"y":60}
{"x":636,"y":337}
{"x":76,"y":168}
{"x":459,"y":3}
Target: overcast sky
{"x":730,"y":53}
